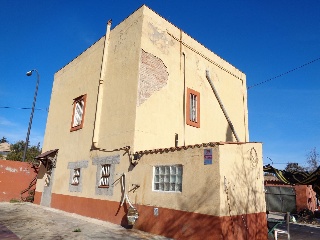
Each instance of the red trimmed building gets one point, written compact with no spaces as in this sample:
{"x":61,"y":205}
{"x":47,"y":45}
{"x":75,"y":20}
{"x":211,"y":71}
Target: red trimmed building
{"x":148,"y":128}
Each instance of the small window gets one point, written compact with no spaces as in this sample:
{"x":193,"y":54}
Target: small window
{"x":167,"y":178}
{"x":104,"y":176}
{"x":76,"y":176}
{"x":79,"y":105}
{"x":193,"y":108}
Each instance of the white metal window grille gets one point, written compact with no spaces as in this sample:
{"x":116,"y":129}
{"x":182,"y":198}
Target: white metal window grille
{"x":78,"y":113}
{"x":76,"y":176}
{"x":193,"y":107}
{"x":168,"y":178}
{"x":105,"y":174}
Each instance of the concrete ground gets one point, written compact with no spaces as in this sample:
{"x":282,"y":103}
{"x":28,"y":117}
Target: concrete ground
{"x":30,"y":221}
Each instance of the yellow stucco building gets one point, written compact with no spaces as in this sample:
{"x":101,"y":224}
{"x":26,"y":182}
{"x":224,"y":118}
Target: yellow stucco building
{"x":149,"y":121}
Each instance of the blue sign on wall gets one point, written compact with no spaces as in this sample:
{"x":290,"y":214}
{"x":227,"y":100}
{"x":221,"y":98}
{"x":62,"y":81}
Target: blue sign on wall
{"x":207,"y":154}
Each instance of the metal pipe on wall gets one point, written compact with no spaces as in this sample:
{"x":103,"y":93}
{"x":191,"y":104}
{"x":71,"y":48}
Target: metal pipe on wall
{"x":96,"y":130}
{"x":221,"y":106}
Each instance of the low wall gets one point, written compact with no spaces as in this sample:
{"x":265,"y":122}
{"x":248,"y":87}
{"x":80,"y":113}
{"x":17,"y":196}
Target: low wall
{"x":15,"y":176}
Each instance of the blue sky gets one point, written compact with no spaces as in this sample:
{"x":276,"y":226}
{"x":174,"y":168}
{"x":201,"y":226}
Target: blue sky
{"x":261,"y":38}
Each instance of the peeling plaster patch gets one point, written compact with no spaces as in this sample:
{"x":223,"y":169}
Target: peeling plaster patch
{"x":9,"y":169}
{"x":160,"y":39}
{"x":153,"y":76}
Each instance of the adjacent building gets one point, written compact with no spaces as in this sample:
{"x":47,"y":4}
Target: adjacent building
{"x":4,"y":150}
{"x":147,"y":122}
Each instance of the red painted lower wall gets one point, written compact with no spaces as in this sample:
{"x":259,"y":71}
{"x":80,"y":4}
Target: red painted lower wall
{"x":37,"y":197}
{"x":170,"y":223}
{"x":15,"y":176}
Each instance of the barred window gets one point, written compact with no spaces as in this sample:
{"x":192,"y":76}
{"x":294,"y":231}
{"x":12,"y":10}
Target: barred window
{"x":78,"y":113}
{"x":193,"y":108}
{"x":76,"y":176}
{"x":104,"y":175}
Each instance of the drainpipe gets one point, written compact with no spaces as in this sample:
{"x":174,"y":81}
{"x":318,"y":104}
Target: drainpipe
{"x":96,"y":130}
{"x":221,"y":106}
{"x":184,"y":98}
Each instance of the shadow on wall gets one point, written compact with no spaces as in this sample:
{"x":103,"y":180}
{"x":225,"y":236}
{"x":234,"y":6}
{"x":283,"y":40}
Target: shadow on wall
{"x":244,"y":199}
{"x":229,"y":135}
{"x":186,"y":223}
{"x":234,"y":203}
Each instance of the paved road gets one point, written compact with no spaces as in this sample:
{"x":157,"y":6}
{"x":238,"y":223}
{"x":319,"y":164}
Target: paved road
{"x":297,"y":231}
{"x":29,"y":221}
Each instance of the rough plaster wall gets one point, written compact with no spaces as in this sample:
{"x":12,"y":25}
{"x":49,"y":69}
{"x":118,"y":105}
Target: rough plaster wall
{"x":47,"y":190}
{"x":241,"y":173}
{"x":160,"y":38}
{"x":153,"y":76}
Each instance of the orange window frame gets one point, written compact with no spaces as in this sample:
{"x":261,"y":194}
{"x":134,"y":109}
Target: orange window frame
{"x":189,"y":121}
{"x":75,"y":101}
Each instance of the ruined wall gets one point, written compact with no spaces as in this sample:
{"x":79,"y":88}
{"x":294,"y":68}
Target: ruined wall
{"x":14,"y":177}
{"x":305,"y":196}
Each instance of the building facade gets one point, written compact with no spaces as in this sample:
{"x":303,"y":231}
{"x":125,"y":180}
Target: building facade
{"x":148,"y":120}
{"x":4,"y":150}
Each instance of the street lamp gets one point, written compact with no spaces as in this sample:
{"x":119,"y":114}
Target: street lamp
{"x":32,"y":111}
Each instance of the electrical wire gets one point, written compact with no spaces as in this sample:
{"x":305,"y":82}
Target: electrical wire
{"x":25,"y":108}
{"x":282,"y":74}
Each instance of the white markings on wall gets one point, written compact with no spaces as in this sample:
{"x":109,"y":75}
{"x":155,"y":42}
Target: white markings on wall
{"x":153,"y":76}
{"x":160,"y":39}
{"x":24,"y":170}
{"x":9,"y":169}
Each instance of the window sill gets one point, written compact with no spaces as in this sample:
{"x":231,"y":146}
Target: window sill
{"x":193,"y":124}
{"x":103,"y":186}
{"x":76,"y":128}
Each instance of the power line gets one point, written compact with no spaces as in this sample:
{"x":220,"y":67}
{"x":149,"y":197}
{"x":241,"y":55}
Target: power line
{"x":25,"y":108}
{"x":282,"y":74}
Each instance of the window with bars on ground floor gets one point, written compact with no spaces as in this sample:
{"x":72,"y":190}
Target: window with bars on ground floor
{"x":76,"y":176}
{"x":167,"y":178}
{"x":105,"y":174}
